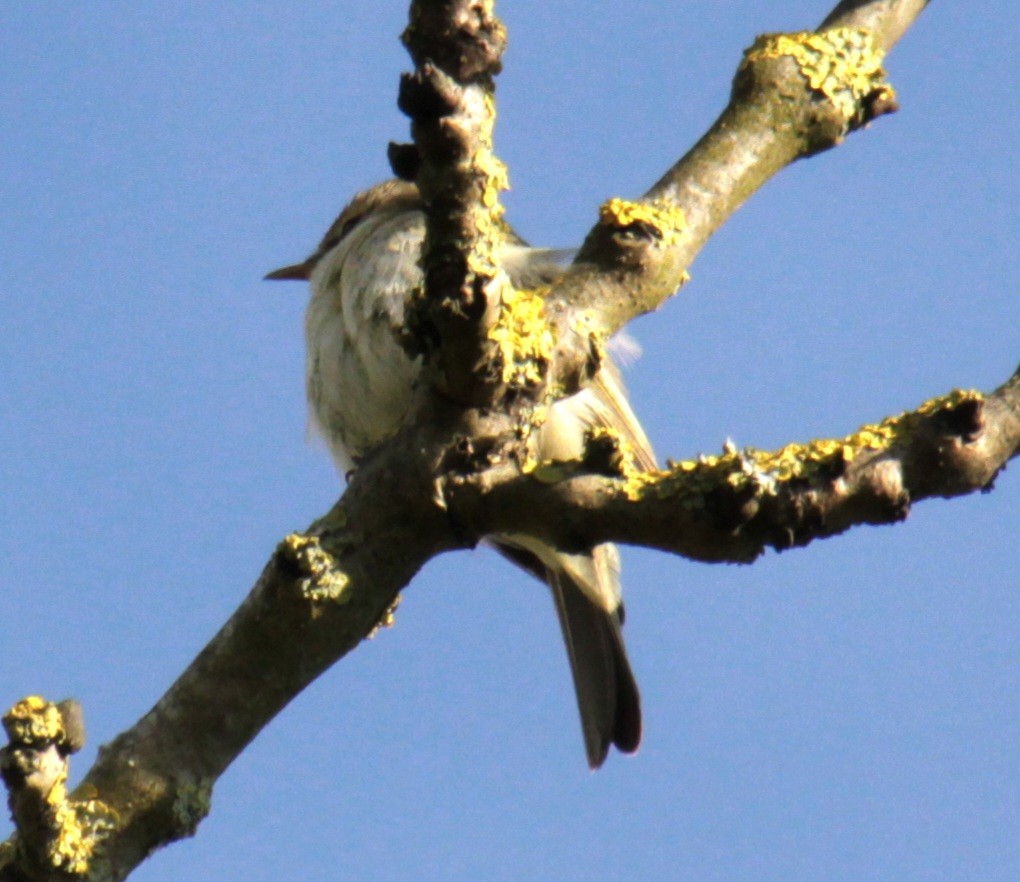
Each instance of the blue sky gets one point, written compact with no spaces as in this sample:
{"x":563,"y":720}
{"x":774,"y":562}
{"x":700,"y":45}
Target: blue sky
{"x":844,"y":712}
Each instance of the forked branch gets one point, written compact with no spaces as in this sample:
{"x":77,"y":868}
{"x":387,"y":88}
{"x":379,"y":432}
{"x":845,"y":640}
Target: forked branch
{"x":324,"y":590}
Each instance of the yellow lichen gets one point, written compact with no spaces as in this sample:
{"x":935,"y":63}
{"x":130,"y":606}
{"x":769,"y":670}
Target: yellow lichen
{"x":522,"y":335}
{"x":527,"y":420}
{"x":759,"y":472}
{"x":497,"y":177}
{"x":324,"y":580}
{"x":607,"y":452}
{"x":764,"y":470}
{"x":58,"y":792}
{"x":387,"y":620}
{"x":796,"y":460}
{"x":34,"y":720}
{"x":637,"y":482}
{"x":75,"y":827}
{"x":491,"y":228}
{"x":81,"y":827}
{"x":666,"y":219}
{"x":949,"y":401}
{"x":843,"y":64}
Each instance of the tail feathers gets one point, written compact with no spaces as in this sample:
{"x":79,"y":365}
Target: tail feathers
{"x":586,"y":589}
{"x":607,"y":694}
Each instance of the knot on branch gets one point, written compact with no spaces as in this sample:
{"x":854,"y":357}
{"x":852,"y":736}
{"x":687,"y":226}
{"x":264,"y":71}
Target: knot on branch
{"x":607,"y":452}
{"x":405,"y":160}
{"x":54,"y":831}
{"x":318,"y":573}
{"x":949,"y":426}
{"x":428,"y":94}
{"x":843,"y":70}
{"x":640,"y":238}
{"x":656,"y":220}
{"x":464,"y":37}
{"x":960,"y":414}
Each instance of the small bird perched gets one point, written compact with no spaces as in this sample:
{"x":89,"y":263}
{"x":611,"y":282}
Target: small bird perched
{"x":360,"y":382}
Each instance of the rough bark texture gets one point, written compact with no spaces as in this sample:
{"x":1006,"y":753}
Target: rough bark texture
{"x":732,"y":507}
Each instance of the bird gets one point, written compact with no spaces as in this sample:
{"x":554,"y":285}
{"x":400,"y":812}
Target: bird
{"x":360,"y":381}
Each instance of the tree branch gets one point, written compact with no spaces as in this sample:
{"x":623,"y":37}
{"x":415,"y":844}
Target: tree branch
{"x":734,"y":506}
{"x":793,"y":96}
{"x":456,"y":46}
{"x":321,"y":593}
{"x":438,"y":486}
{"x":889,"y":20}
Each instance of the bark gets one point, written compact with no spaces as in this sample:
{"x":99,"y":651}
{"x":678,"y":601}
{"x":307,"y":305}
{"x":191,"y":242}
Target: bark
{"x":732,"y":507}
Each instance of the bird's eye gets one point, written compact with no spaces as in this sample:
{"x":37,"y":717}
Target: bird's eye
{"x":337,"y":235}
{"x":349,"y":225}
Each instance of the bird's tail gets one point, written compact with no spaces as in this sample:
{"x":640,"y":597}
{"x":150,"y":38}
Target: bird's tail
{"x":607,"y":694}
{"x":585,"y":588}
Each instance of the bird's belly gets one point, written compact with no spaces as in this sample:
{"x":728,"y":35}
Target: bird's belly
{"x":359,"y":383}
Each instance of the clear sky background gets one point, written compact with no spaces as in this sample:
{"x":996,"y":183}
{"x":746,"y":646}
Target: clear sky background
{"x":843,"y":712}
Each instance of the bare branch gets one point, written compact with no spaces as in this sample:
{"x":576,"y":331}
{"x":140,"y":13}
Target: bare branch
{"x":793,"y":96}
{"x":456,"y":46}
{"x":438,"y":486}
{"x":734,"y":506}
{"x":55,"y":834}
{"x":887,"y":19}
{"x":321,"y":593}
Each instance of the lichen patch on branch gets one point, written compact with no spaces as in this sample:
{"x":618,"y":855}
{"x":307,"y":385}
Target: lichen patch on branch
{"x":34,"y":720}
{"x":663,"y":220}
{"x":387,"y":620}
{"x":321,"y":577}
{"x":800,"y":460}
{"x":750,"y":474}
{"x":492,"y":176}
{"x":191,"y":805}
{"x":843,"y":64}
{"x":523,"y":336}
{"x":763,"y":471}
{"x":80,"y":828}
{"x":61,"y":832}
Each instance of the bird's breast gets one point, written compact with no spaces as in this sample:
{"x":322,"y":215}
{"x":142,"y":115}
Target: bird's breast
{"x":359,"y":379}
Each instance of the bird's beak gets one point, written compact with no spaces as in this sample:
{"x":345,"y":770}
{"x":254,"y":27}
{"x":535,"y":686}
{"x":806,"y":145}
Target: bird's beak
{"x":296,"y":272}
